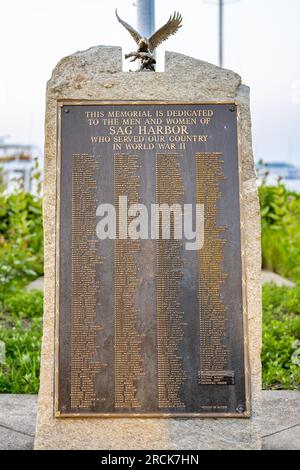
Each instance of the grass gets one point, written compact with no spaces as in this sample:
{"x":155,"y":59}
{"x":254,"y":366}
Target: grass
{"x":281,"y":335}
{"x":21,"y":260}
{"x":20,"y":332}
{"x":280,"y":217}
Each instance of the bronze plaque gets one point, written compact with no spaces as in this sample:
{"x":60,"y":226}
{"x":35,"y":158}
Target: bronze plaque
{"x":148,"y":322}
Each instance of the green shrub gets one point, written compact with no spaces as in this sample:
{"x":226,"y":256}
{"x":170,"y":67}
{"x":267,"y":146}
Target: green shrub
{"x":281,"y":337}
{"x":20,"y":332}
{"x":23,"y":304}
{"x":280,"y":219}
{"x":21,"y":239}
{"x":21,"y":260}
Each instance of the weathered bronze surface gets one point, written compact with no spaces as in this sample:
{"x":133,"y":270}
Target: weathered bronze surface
{"x":145,"y":327}
{"x":148,"y":45}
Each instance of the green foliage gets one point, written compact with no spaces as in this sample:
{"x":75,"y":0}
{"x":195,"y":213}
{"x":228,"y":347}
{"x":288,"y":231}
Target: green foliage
{"x":281,"y":337}
{"x":280,"y":217}
{"x":20,"y":332}
{"x":24,"y":304}
{"x":21,"y":260}
{"x":280,"y":220}
{"x":21,"y":239}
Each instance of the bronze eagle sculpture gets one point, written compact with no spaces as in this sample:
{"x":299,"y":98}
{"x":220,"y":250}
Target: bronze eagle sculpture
{"x":146,"y":46}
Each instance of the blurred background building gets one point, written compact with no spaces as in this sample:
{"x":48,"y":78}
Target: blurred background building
{"x":17,"y":166}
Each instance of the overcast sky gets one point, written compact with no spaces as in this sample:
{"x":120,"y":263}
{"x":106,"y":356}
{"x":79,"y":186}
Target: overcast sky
{"x":262,"y":44}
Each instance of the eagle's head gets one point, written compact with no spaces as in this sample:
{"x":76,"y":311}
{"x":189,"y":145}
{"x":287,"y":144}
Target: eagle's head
{"x":143,"y":45}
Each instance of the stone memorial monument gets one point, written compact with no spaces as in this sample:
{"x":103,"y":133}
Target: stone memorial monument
{"x":151,"y":339}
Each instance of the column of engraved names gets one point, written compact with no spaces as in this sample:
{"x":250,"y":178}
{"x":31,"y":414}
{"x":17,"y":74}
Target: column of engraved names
{"x":213,"y":353}
{"x":171,"y":376}
{"x":128,"y":338}
{"x":84,"y":352}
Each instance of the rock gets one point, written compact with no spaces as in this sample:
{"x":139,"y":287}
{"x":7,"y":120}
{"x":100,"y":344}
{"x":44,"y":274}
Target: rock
{"x":185,"y":80}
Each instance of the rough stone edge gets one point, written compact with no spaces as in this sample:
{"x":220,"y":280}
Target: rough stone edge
{"x":252,"y":246}
{"x":183,"y":65}
{"x":84,"y":80}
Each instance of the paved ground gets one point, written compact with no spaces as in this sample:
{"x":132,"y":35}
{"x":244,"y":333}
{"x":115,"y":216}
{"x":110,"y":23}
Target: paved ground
{"x":280,"y":421}
{"x":36,"y":284}
{"x":268,"y":276}
{"x":17,"y":421}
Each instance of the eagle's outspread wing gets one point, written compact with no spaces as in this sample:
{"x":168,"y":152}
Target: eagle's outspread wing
{"x":136,"y":36}
{"x":171,"y":27}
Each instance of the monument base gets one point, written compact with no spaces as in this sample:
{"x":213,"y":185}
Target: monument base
{"x":96,"y":74}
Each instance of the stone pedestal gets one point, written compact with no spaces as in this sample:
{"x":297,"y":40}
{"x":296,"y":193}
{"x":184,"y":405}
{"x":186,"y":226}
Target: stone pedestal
{"x":96,"y":74}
